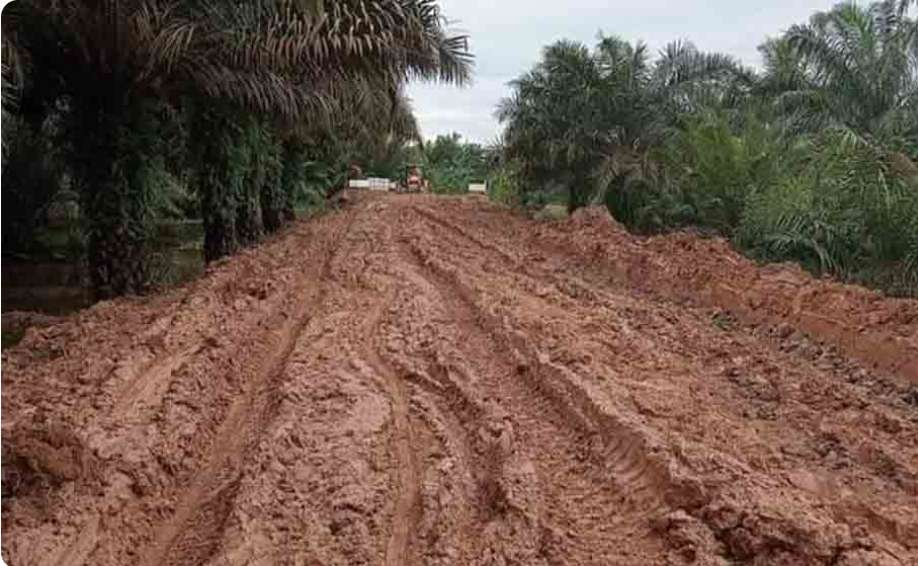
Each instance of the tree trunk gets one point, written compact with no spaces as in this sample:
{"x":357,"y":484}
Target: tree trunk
{"x":219,"y":215}
{"x":249,"y":227}
{"x":578,"y":193}
{"x":114,"y":165}
{"x":293,"y":175}
{"x":272,"y":204}
{"x":272,"y":194}
{"x":221,"y":177}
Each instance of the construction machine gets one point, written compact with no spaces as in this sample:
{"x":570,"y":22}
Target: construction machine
{"x":413,"y":182}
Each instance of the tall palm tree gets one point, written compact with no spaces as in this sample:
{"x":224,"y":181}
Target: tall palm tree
{"x":582,"y":119}
{"x":353,"y":43}
{"x":109,"y":65}
{"x":368,"y":124}
{"x":853,"y":68}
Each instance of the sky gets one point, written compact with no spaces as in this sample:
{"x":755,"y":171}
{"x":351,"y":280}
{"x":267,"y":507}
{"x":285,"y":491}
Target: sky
{"x":507,"y":36}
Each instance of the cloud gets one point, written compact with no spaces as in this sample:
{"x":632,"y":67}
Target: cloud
{"x":470,"y":111}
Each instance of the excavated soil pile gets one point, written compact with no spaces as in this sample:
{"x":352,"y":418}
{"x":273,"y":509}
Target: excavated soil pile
{"x":414,"y":380}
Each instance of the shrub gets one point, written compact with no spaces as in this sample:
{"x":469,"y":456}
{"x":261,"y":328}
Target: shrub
{"x":843,"y":212}
{"x":32,"y":175}
{"x":504,"y":186}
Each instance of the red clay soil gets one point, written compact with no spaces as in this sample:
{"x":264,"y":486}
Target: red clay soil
{"x":418,"y":380}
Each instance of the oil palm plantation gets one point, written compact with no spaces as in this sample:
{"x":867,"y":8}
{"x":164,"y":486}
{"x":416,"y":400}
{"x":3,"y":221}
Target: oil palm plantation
{"x":844,"y":89}
{"x":853,"y":68}
{"x":584,"y":119}
{"x":370,"y":124}
{"x":348,"y":62}
{"x":108,"y":68}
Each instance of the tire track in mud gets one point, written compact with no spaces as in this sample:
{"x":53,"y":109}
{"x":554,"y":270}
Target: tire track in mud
{"x":472,"y":497}
{"x":341,"y":344}
{"x":844,"y":315}
{"x":407,"y":506}
{"x":539,"y":397}
{"x":466,"y":429}
{"x":743,"y":542}
{"x":423,"y":388}
{"x":192,"y":533}
{"x":622,"y":452}
{"x":550,"y":388}
{"x":569,"y":284}
{"x":149,"y":385}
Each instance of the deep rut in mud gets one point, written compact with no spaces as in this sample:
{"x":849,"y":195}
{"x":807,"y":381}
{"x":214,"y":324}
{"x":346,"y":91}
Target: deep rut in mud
{"x":416,"y":380}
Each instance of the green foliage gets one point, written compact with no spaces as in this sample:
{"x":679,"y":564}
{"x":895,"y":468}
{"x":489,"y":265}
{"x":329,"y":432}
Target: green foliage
{"x":293,"y":175}
{"x":800,"y":220}
{"x":813,"y":160}
{"x":319,"y":179}
{"x":451,"y":164}
{"x":273,"y":196}
{"x":855,"y":68}
{"x":120,"y":81}
{"x":841,"y":212}
{"x":585,"y":120}
{"x":117,"y":201}
{"x":249,"y":223}
{"x":32,"y":175}
{"x":504,"y":185}
{"x":647,"y":207}
{"x":711,"y":169}
{"x":173,"y":198}
{"x":222,"y":156}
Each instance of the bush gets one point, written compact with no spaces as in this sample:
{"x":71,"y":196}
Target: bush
{"x":648,"y":207}
{"x":504,"y":186}
{"x":843,"y":212}
{"x":451,"y":164}
{"x":716,"y":168}
{"x":833,"y":202}
{"x":32,"y":175}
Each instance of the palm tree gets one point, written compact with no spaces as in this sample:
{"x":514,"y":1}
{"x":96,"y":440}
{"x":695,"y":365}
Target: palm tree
{"x":853,"y":68}
{"x":585,"y":120}
{"x":346,"y":57}
{"x":368,"y":124}
{"x":109,"y":66}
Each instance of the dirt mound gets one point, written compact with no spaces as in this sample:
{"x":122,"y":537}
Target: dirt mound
{"x":879,"y":331}
{"x":595,"y":217}
{"x":20,"y":321}
{"x":415,"y":380}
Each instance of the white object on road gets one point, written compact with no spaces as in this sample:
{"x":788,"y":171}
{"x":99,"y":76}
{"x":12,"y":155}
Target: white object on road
{"x":378,"y":184}
{"x":478,"y":188}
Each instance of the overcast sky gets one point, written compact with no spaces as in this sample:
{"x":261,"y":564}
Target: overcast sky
{"x":507,"y":37}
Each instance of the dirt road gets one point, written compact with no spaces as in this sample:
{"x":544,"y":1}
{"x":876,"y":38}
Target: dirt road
{"x":416,"y":380}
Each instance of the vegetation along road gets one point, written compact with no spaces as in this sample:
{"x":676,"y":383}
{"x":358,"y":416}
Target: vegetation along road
{"x":415,"y":379}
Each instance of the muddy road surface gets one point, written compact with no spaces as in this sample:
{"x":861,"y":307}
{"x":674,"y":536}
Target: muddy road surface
{"x":416,"y":380}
